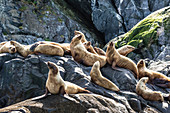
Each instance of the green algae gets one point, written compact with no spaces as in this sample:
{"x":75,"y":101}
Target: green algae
{"x":145,"y":32}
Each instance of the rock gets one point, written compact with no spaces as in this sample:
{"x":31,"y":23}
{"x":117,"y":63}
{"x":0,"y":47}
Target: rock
{"x":106,"y":19}
{"x":74,"y":103}
{"x":24,"y":78}
{"x":150,"y":36}
{"x":28,"y":22}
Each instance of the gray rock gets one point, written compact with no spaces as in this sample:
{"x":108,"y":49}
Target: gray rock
{"x":23,"y":78}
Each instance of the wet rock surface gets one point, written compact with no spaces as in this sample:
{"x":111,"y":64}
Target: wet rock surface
{"x":23,"y":78}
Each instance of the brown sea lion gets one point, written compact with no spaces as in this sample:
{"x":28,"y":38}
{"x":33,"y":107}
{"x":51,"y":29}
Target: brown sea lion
{"x":114,"y":58}
{"x":147,"y":93}
{"x":55,"y":84}
{"x":100,"y":80}
{"x":155,"y":77}
{"x":81,"y":55}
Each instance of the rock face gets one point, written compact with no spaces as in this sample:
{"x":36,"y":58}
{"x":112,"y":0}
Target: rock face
{"x":23,"y":78}
{"x":150,"y":36}
{"x":28,"y":21}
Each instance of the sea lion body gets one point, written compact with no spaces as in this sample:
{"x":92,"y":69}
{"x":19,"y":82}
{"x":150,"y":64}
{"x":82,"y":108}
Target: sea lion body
{"x":81,"y":55}
{"x":114,"y":58}
{"x":73,"y":88}
{"x":64,"y":46}
{"x":100,"y":80}
{"x":147,"y":93}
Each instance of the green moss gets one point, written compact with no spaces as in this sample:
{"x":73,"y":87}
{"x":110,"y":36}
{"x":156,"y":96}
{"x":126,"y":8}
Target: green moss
{"x":47,"y":39}
{"x":20,"y":27}
{"x":62,"y":36}
{"x":23,"y":8}
{"x":60,"y":20}
{"x":145,"y":31}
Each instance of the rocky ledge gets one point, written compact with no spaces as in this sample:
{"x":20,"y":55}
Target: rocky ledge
{"x":24,"y":78}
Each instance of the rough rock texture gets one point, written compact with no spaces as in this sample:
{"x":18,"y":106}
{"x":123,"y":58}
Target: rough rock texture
{"x":21,"y":79}
{"x":150,"y":36}
{"x":28,"y":21}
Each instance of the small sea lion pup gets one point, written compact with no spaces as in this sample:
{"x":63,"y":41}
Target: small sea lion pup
{"x":56,"y":85}
{"x":147,"y":93}
{"x":7,"y":47}
{"x":155,"y":77}
{"x":114,"y":58}
{"x":100,"y":80}
{"x":81,"y":55}
{"x":124,"y":50}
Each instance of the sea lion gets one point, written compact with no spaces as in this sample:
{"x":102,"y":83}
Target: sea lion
{"x":114,"y":58}
{"x":48,"y":49}
{"x":155,"y":77}
{"x":56,"y":85}
{"x":64,"y":46}
{"x":7,"y":47}
{"x":147,"y":93}
{"x":54,"y":82}
{"x":81,"y":55}
{"x":100,"y":80}
{"x":89,"y":47}
{"x":124,"y":50}
{"x":99,"y":51}
{"x":83,"y":39}
{"x":24,"y":50}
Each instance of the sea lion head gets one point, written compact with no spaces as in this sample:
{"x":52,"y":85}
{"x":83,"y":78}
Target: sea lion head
{"x":52,"y":68}
{"x":76,"y":38}
{"x":130,"y":47}
{"x":12,"y":49}
{"x":97,"y":64}
{"x":110,"y":49}
{"x":141,"y":63}
{"x":77,"y":32}
{"x":87,"y":45}
{"x":144,"y":79}
{"x":9,"y":47}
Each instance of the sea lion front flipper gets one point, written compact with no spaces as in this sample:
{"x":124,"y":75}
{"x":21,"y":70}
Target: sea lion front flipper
{"x":32,"y":48}
{"x":114,"y":66}
{"x":62,"y":91}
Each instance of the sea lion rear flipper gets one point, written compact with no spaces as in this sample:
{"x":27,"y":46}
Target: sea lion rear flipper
{"x":32,"y":48}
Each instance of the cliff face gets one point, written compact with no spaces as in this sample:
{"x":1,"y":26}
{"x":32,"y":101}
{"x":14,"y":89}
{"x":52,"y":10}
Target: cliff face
{"x":29,"y":21}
